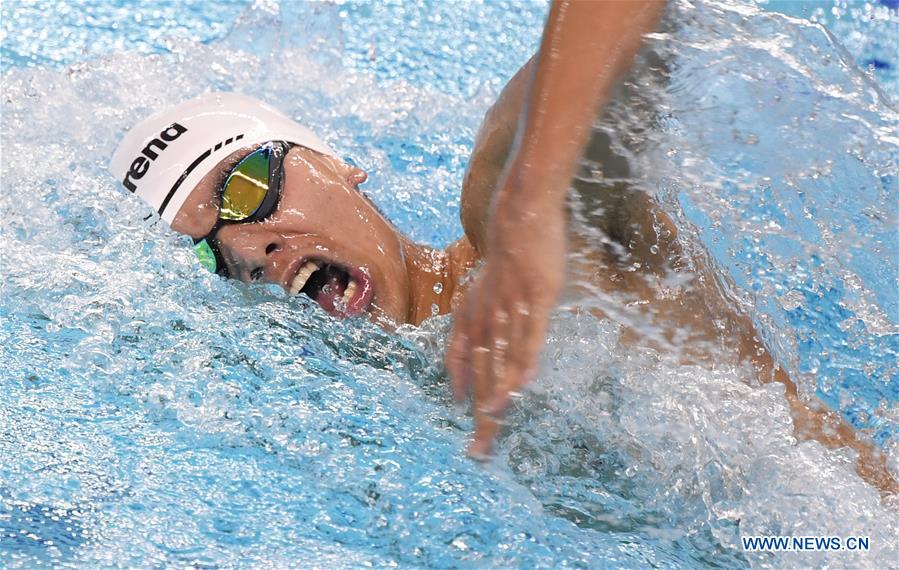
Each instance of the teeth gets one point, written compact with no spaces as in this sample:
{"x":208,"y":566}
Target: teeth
{"x":303,"y":275}
{"x":349,"y":293}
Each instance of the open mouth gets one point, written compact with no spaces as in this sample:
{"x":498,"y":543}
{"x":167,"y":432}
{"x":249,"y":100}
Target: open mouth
{"x":340,"y":290}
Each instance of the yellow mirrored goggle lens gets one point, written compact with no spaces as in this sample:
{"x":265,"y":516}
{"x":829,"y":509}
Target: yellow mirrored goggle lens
{"x":246,"y":187}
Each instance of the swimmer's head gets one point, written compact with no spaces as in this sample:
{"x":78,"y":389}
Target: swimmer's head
{"x":164,"y":157}
{"x":316,"y":234}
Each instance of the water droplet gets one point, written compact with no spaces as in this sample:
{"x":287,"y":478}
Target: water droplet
{"x":435,"y":309}
{"x":654,"y":249}
{"x":438,"y":287}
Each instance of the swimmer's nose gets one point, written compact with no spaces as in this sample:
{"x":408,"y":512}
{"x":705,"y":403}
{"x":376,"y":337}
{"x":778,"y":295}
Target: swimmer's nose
{"x":250,"y":254}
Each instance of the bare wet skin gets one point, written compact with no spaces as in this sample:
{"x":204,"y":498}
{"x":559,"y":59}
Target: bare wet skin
{"x":627,"y":264}
{"x":326,"y":240}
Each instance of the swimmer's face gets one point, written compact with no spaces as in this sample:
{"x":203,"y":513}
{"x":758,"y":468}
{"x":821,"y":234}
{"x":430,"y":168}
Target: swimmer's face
{"x":325,"y":239}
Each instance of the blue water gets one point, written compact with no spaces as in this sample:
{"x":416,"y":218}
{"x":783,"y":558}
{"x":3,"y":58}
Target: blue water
{"x":154,"y":415}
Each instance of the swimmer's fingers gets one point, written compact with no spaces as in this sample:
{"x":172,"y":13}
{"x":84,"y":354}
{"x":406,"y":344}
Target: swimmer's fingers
{"x":486,"y":426}
{"x":488,"y":366}
{"x":467,"y":335}
{"x":529,"y":325}
{"x":467,"y":361}
{"x":456,"y":359}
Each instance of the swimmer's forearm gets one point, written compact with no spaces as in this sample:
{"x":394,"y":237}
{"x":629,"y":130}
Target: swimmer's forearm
{"x":497,"y":133}
{"x":586,"y":47}
{"x":814,"y":420}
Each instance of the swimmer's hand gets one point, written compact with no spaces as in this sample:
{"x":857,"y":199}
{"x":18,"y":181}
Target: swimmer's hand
{"x":502,"y":321}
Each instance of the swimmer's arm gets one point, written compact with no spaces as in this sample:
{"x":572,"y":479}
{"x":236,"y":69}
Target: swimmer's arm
{"x":651,"y":237}
{"x":493,"y":145}
{"x":813,"y":419}
{"x":587,"y":46}
{"x":572,"y":86}
{"x":500,"y":326}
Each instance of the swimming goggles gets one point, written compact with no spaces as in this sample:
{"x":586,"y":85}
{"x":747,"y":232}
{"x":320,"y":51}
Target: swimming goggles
{"x":251,"y":193}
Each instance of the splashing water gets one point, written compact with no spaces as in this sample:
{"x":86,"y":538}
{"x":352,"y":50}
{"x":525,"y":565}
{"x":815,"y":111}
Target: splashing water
{"x":153,"y":414}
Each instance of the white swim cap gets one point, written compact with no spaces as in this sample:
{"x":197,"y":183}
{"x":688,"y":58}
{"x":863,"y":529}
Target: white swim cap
{"x":166,"y":155}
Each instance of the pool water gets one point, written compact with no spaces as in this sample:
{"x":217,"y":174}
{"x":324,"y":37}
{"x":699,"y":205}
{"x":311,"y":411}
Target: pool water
{"x":155,"y":415}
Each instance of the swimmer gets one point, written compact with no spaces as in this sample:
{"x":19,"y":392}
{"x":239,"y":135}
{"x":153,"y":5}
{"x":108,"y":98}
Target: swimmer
{"x":266,"y":200}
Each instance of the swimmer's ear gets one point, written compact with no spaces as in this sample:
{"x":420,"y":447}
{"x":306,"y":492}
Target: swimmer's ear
{"x":356,"y":175}
{"x":348,"y":170}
